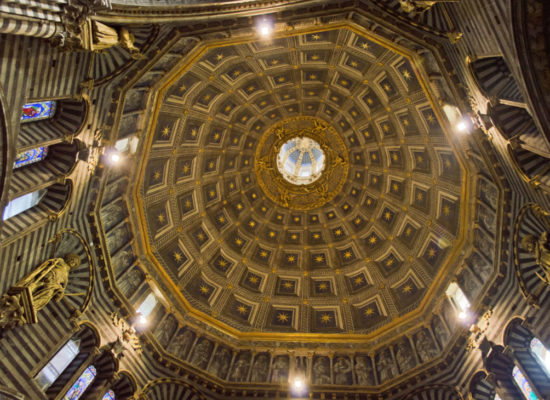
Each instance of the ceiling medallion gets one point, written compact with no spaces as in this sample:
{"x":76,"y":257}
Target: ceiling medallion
{"x":301,"y":163}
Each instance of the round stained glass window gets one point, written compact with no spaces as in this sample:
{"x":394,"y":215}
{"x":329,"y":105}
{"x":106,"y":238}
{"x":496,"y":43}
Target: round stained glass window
{"x":301,"y":160}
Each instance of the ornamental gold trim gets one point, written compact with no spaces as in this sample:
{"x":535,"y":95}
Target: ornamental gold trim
{"x":317,"y":193}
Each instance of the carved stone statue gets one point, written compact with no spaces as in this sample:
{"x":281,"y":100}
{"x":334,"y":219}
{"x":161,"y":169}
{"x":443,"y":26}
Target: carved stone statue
{"x":201,"y":354}
{"x":280,"y":369}
{"x":363,"y":371}
{"x":83,"y":33}
{"x":540,"y":248}
{"x":386,"y":367}
{"x":425,"y":347}
{"x":259,"y":369}
{"x":130,"y":282}
{"x":36,"y":290}
{"x":110,"y":215}
{"x":220,"y":363}
{"x":240,"y":369}
{"x":321,"y":371}
{"x":404,"y":357}
{"x":440,"y":331}
{"x":180,"y":344}
{"x":489,"y":192}
{"x":165,"y":330}
{"x":342,"y":370}
{"x":410,"y":6}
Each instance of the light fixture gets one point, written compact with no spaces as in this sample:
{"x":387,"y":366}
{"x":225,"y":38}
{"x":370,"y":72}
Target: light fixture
{"x":141,"y":319}
{"x":464,"y":125}
{"x":298,"y":386}
{"x":265,"y":27}
{"x":115,"y":157}
{"x":462,"y":315}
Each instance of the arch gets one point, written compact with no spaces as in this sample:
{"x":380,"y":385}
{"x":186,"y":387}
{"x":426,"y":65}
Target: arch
{"x":500,"y":366}
{"x":125,"y":386}
{"x":69,"y":119}
{"x":518,"y":337}
{"x":481,"y":388}
{"x":106,"y":366}
{"x":435,"y":392}
{"x":531,"y":220}
{"x":171,"y":388}
{"x":60,"y":161}
{"x":53,"y":203}
{"x":494,"y":79}
{"x":88,"y":340}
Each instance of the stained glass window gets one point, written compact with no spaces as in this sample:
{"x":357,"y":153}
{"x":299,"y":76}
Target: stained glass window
{"x":110,"y":395}
{"x":30,"y":156}
{"x":38,"y":110}
{"x":523,"y":384}
{"x":81,"y":384}
{"x":542,"y":355}
{"x":57,"y":364}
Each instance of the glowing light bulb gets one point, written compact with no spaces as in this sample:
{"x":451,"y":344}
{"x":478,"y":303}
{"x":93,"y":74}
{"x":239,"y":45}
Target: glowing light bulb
{"x":265,"y":30}
{"x":298,"y":384}
{"x":142,"y":320}
{"x":464,"y":125}
{"x":462,"y":315}
{"x":115,"y":157}
{"x":265,"y":27}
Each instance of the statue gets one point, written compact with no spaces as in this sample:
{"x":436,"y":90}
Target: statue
{"x":280,"y":370}
{"x":201,"y":354}
{"x":540,"y":248}
{"x":32,"y":293}
{"x":240,"y":368}
{"x":386,"y":367}
{"x":220,"y":363}
{"x":321,"y":372}
{"x":110,"y":215}
{"x":130,"y":282}
{"x":259,"y":369}
{"x":83,"y":33}
{"x":363,"y":371}
{"x":439,"y":331}
{"x":410,"y":6}
{"x":425,"y":346}
{"x":404,"y":357}
{"x":341,"y":369}
{"x":164,"y":331}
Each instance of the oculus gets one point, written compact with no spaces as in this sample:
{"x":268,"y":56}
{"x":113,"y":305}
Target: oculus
{"x":301,"y":160}
{"x":301,"y":163}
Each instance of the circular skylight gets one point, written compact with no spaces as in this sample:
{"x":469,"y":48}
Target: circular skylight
{"x":301,"y":160}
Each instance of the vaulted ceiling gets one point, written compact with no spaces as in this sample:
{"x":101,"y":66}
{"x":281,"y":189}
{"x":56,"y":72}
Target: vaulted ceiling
{"x":354,"y":264}
{"x":351,"y":263}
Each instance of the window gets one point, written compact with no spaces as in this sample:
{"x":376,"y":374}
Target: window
{"x":127,"y":145}
{"x":542,"y":355}
{"x":38,"y":110}
{"x":57,"y":364}
{"x":81,"y":384}
{"x":110,"y":395}
{"x":497,"y":397}
{"x":23,"y":203}
{"x":147,"y":306}
{"x":523,"y":384}
{"x":30,"y":156}
{"x":458,"y":299}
